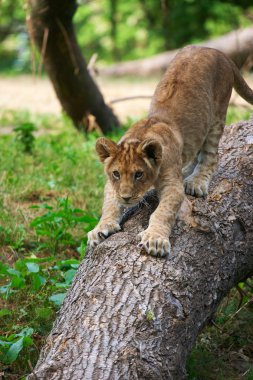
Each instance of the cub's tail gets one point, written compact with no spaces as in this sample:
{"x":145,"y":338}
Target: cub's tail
{"x":241,"y":86}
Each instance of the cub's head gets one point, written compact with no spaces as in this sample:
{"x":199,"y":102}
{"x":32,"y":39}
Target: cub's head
{"x":132,"y":166}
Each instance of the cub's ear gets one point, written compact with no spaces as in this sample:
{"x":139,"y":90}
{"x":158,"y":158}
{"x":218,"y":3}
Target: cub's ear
{"x":152,"y":149}
{"x":105,"y":148}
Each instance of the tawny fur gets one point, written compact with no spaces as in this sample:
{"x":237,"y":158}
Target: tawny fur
{"x":179,"y":138}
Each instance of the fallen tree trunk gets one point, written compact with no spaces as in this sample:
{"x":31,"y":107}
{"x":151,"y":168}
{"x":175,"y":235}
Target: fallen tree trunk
{"x":132,"y":316}
{"x":237,"y":45}
{"x":50,"y":26}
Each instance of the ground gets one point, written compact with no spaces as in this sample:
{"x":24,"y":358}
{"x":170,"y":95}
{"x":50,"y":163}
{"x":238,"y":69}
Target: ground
{"x":36,"y":94}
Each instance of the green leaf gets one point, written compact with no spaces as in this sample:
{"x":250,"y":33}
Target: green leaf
{"x":12,"y":353}
{"x":57,"y":299}
{"x":27,"y":341}
{"x":46,"y":206}
{"x":5,"y":343}
{"x":61,"y":285}
{"x":39,"y":259}
{"x":70,"y":263}
{"x":4,"y":312}
{"x":37,"y":281}
{"x":87,"y":219}
{"x":20,"y":265}
{"x":69,"y":275}
{"x":27,"y":331}
{"x":33,"y":267}
{"x":13,"y":272}
{"x":43,"y":312}
{"x":11,"y":337}
{"x":18,"y":282}
{"x":5,"y":288}
{"x":82,"y":249}
{"x":3,"y":268}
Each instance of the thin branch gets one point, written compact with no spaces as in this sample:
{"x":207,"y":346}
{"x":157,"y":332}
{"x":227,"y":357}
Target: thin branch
{"x":43,"y":49}
{"x":91,"y":65}
{"x":68,"y":43}
{"x":242,"y":294}
{"x":32,"y":41}
{"x":32,"y":370}
{"x":130,"y":98}
{"x":238,"y":311}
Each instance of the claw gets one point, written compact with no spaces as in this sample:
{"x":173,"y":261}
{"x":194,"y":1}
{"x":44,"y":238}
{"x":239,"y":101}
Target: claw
{"x":102,"y":235}
{"x":101,"y":232}
{"x":154,"y":243}
{"x":196,"y":186}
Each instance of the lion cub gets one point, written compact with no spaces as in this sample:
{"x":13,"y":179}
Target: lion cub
{"x":184,"y":126}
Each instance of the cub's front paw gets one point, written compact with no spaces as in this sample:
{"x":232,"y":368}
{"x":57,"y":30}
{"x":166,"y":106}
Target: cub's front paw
{"x":196,"y":186}
{"x":101,"y":232}
{"x":155,"y":243}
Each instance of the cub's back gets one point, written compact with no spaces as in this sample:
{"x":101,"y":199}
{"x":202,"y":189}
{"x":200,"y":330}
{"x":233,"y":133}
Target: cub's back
{"x":195,"y":88}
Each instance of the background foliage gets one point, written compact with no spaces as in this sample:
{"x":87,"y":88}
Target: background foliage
{"x":119,"y":30}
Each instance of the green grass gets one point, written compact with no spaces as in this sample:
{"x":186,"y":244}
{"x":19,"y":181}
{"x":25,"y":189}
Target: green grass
{"x":51,"y":189}
{"x":51,"y":186}
{"x":236,"y":114}
{"x":224,"y":350}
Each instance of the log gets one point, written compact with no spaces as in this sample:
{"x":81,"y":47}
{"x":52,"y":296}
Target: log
{"x":131,"y":316}
{"x":238,"y":45}
{"x":51,"y":28}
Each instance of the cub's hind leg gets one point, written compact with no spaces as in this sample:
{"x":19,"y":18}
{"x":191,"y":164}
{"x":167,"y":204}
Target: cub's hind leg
{"x":197,"y":183}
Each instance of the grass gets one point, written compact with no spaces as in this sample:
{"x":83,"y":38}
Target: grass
{"x":224,"y":350}
{"x":236,"y":114}
{"x":51,"y":188}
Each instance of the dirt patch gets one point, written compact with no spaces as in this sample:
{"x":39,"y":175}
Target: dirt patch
{"x":37,"y":95}
{"x":39,"y":196}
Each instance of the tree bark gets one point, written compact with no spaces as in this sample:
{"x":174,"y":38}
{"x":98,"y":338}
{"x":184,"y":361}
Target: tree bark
{"x":237,"y":45}
{"x":132,"y":316}
{"x":50,"y":26}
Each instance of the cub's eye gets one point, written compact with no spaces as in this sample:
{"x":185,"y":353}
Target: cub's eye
{"x":116,"y":174}
{"x":138,"y":175}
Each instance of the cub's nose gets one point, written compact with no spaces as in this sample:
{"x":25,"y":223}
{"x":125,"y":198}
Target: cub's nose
{"x":126,"y":199}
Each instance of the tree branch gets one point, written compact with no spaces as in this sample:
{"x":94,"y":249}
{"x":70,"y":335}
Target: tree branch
{"x":237,"y":45}
{"x":132,"y":316}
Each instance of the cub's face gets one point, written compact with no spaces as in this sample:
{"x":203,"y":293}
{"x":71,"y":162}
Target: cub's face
{"x":132,"y":167}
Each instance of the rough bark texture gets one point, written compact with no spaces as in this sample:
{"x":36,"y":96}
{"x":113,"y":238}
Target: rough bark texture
{"x":132,"y":316}
{"x":238,"y":45}
{"x":50,"y":26}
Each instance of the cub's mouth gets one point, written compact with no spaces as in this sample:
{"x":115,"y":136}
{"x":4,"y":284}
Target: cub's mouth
{"x":133,"y":201}
{"x":129,"y":202}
